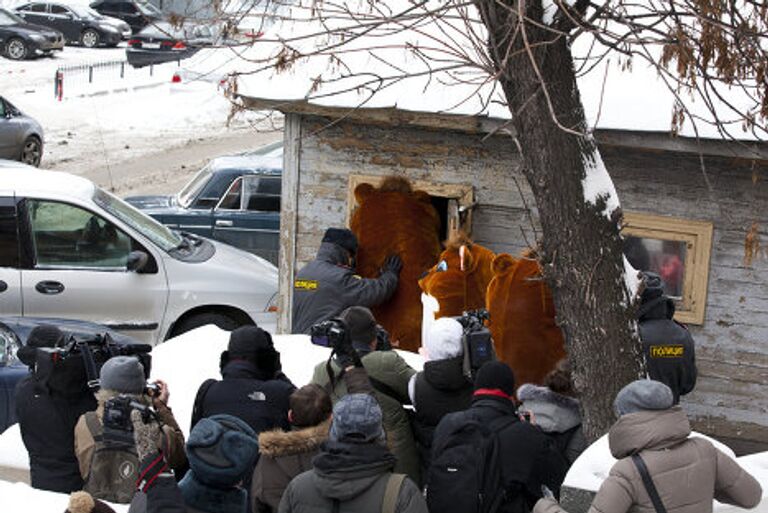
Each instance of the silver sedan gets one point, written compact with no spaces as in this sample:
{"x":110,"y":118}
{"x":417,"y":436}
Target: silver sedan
{"x":21,"y":137}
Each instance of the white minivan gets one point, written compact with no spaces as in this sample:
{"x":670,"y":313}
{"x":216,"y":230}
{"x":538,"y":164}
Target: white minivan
{"x":69,"y":249}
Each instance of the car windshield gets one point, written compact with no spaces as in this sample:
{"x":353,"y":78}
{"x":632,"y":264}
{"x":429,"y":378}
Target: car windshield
{"x":190,"y":191}
{"x":8,"y":18}
{"x":145,"y":225}
{"x":85,"y":12}
{"x":148,"y":9}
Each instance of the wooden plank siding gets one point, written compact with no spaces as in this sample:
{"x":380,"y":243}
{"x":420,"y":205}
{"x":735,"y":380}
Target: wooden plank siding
{"x":731,"y":398}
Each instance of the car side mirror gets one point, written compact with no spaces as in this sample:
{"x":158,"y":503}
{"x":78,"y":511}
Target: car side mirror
{"x":137,"y":260}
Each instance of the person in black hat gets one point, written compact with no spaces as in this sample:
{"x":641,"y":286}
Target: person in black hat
{"x":389,"y":375}
{"x":526,"y":459}
{"x":668,"y":346}
{"x":327,"y":285}
{"x":49,"y":402}
{"x":252,"y":388}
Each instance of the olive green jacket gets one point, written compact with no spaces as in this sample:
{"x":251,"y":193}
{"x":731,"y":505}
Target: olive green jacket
{"x":388,"y":368}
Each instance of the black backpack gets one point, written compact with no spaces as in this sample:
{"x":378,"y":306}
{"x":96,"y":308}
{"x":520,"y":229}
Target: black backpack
{"x":465,"y":473}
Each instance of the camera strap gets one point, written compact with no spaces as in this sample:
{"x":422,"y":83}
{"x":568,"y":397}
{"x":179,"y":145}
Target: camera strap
{"x":90,"y":366}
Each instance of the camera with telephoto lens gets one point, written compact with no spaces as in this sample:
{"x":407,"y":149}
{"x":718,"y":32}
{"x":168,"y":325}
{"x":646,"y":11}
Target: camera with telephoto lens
{"x":331,"y":333}
{"x":476,"y":341}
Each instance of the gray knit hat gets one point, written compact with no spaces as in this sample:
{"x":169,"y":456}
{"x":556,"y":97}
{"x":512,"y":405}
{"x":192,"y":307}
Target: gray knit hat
{"x":356,"y":419}
{"x":123,"y":374}
{"x":642,"y":395}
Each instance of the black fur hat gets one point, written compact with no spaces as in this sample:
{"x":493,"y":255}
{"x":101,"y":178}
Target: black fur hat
{"x":341,"y":237}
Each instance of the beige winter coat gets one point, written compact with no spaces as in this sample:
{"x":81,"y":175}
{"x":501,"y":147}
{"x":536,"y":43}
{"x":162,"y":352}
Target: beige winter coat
{"x":687,"y":472}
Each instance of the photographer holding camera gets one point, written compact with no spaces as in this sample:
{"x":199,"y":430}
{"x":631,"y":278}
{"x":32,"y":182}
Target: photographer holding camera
{"x":104,"y":443}
{"x":389,"y":375}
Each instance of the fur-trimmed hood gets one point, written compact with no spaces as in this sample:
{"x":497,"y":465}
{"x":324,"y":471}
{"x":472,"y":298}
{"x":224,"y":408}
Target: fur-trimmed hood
{"x":277,"y":443}
{"x":552,"y":412}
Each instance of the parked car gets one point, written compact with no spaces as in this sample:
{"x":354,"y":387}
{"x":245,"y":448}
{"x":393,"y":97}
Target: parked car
{"x":136,"y":14}
{"x":233,"y":199}
{"x":80,"y":25}
{"x":21,"y":40}
{"x":69,"y":249}
{"x":163,"y":42}
{"x":21,"y":137}
{"x":13,"y":335}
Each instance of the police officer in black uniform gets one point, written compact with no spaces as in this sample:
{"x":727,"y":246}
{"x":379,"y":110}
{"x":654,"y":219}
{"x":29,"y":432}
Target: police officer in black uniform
{"x":328,"y":285}
{"x":667,"y":345}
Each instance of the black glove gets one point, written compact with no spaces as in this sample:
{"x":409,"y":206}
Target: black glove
{"x":347,"y":356}
{"x":393,"y":263}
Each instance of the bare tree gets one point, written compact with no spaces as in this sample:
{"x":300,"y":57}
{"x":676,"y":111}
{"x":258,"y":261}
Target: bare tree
{"x":517,"y":54}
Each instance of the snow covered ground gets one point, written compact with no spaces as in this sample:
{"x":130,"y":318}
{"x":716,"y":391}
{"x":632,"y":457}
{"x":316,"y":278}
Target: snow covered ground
{"x":121,"y":120}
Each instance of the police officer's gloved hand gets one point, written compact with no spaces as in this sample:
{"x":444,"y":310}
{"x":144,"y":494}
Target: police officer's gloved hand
{"x":393,"y":263}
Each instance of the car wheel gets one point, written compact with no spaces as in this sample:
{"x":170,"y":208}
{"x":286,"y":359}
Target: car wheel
{"x":16,"y":49}
{"x":32,"y":152}
{"x":202,"y":319}
{"x":90,"y":38}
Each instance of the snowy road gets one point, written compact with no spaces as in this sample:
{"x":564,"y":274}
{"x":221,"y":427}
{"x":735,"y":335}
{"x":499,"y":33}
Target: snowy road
{"x":128,"y":139}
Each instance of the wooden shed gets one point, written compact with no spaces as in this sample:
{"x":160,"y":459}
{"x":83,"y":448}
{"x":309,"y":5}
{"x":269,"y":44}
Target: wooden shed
{"x":701,"y":215}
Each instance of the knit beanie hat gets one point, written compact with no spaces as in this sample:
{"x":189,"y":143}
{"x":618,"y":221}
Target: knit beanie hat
{"x":254,"y":343}
{"x":221,"y":450}
{"x":356,"y":419}
{"x":443,"y":340}
{"x":341,"y":237}
{"x":643,"y":395}
{"x":83,"y":502}
{"x":123,"y":374}
{"x":361,"y":325}
{"x":496,"y":375}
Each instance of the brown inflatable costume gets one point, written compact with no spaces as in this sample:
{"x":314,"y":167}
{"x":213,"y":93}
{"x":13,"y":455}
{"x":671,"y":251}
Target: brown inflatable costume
{"x":523,"y":318}
{"x":395,"y":219}
{"x":460,"y":278}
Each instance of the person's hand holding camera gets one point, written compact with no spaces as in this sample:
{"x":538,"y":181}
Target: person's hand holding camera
{"x":393,"y":263}
{"x":160,"y":393}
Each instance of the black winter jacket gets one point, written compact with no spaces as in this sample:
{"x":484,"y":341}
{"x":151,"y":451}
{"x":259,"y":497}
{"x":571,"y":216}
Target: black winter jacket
{"x":441,"y":388}
{"x":327,"y":286}
{"x":48,"y":410}
{"x":527,"y":458}
{"x":668,"y":348}
{"x":259,"y":400}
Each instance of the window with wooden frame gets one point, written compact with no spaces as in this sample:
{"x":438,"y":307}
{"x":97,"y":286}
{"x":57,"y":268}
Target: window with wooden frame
{"x":679,"y":251}
{"x":453,"y":202}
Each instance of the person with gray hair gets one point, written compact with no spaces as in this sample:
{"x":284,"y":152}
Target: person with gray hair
{"x":353,"y":471}
{"x":661,"y":467}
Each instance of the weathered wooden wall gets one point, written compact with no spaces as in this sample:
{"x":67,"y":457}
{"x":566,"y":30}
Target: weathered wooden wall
{"x":731,"y":398}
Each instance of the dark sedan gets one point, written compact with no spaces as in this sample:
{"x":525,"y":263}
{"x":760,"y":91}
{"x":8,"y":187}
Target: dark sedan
{"x":136,"y":14}
{"x":79,"y":24}
{"x":21,"y":137}
{"x":22,"y":40}
{"x":13,"y":335}
{"x":233,"y":199}
{"x":163,"y":42}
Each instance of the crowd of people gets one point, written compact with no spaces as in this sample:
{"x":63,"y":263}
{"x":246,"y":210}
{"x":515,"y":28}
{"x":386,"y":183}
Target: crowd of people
{"x":369,"y":433}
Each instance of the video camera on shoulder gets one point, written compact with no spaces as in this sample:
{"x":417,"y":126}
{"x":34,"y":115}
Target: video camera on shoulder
{"x":476,"y":341}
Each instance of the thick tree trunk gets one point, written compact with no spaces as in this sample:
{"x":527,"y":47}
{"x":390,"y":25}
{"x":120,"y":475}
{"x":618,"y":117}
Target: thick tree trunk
{"x":581,"y":249}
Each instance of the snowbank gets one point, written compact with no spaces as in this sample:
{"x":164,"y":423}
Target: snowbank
{"x":22,"y":497}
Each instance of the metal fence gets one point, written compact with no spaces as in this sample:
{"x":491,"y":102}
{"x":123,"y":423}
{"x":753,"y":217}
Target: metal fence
{"x":106,"y":76}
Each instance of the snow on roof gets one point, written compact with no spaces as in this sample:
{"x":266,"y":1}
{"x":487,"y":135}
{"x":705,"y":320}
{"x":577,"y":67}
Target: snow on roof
{"x":633,"y":100}
{"x":24,"y":180}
